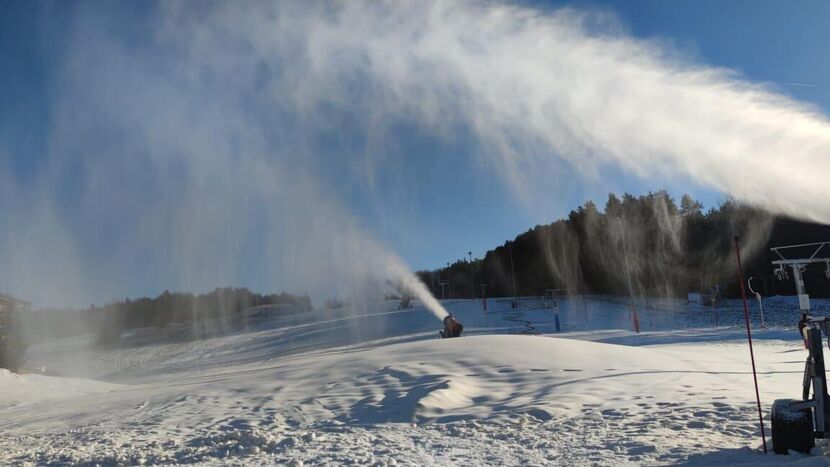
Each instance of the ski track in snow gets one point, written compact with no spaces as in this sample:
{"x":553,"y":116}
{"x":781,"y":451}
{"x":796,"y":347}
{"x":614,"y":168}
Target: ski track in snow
{"x":335,"y":390}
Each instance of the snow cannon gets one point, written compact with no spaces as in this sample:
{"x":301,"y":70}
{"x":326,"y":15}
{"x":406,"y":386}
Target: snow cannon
{"x":452,"y":328}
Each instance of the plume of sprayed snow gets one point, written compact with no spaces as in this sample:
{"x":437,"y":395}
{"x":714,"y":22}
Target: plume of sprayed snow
{"x":540,"y":88}
{"x":209,"y":147}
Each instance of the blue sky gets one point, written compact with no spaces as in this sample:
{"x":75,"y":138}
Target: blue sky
{"x":430,"y":212}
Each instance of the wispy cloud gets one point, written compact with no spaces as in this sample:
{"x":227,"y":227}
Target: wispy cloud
{"x":804,"y":85}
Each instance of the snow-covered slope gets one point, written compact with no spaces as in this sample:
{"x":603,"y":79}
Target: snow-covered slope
{"x":283,"y":393}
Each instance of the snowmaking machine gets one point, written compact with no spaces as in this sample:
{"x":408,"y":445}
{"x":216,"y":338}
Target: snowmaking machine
{"x":452,"y":327}
{"x":797,"y":423}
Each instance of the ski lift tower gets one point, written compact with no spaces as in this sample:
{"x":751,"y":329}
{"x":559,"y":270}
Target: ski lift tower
{"x":796,"y":423}
{"x":799,"y":265}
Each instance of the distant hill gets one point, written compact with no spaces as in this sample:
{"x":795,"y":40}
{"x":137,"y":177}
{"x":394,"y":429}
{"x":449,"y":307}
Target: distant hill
{"x":221,"y":310}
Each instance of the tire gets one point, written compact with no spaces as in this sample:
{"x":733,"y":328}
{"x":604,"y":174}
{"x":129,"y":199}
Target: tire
{"x":792,"y":429}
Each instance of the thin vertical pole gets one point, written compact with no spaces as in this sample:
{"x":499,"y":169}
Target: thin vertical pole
{"x":513,"y":275}
{"x":635,"y":320}
{"x":449,"y":279}
{"x":749,"y":338}
{"x":758,"y":297}
{"x":472,"y":276}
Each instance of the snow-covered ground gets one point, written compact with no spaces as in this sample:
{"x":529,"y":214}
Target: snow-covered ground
{"x":337,"y":387}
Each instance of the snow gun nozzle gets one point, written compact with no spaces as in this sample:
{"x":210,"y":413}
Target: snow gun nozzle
{"x":452,"y":328}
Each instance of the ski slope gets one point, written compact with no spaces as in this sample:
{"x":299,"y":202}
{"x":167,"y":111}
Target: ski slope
{"x":340,"y":387}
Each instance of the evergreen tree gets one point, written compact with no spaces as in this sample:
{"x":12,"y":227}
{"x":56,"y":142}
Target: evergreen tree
{"x":689,"y":206}
{"x":12,"y":344}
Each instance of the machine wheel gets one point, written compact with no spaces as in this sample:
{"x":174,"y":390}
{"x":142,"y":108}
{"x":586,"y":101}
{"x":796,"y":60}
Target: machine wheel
{"x":791,"y":428}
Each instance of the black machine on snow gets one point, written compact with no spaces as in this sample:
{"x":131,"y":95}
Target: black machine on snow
{"x":797,"y":423}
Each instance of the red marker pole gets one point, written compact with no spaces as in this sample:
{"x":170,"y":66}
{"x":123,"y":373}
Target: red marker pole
{"x":749,"y":338}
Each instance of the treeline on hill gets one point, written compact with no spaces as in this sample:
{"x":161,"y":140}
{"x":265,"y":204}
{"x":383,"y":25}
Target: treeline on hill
{"x":669,"y":249}
{"x":195,"y":316}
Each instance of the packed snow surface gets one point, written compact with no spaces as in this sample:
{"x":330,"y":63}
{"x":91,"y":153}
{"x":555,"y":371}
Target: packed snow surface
{"x":341,"y":387}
